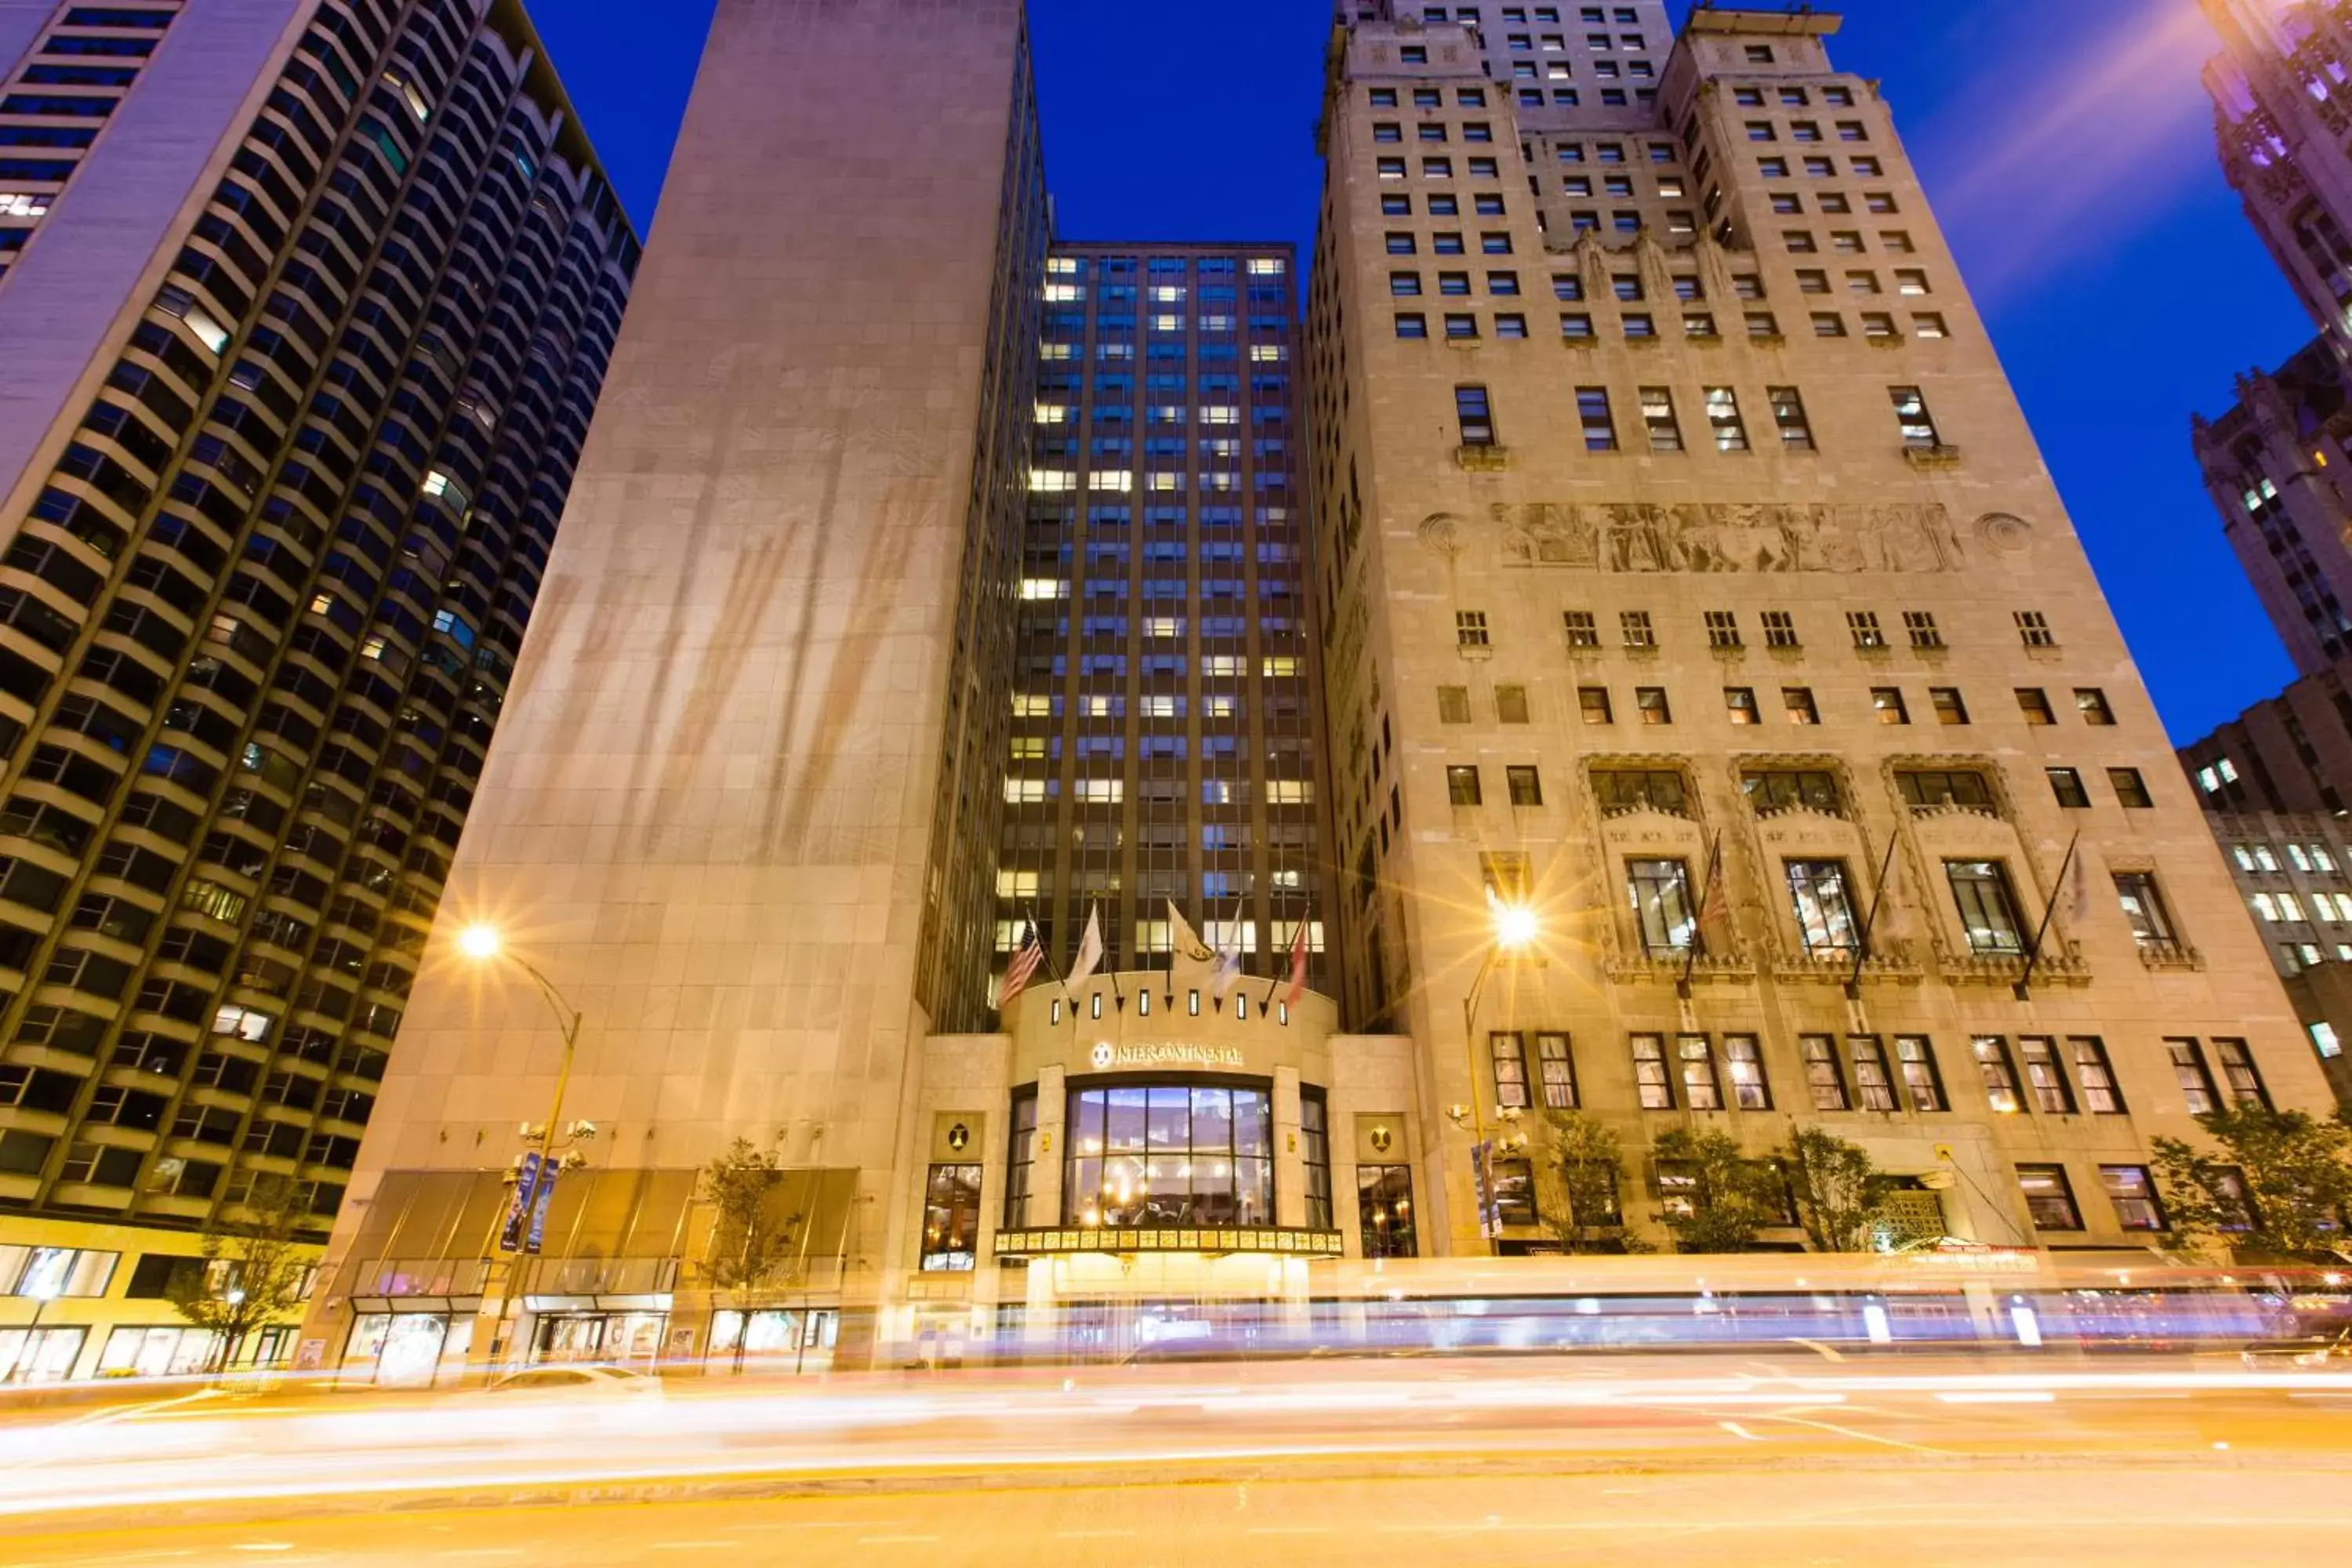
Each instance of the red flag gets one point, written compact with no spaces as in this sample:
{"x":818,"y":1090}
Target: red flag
{"x":1022,"y":969}
{"x":1297,"y":965}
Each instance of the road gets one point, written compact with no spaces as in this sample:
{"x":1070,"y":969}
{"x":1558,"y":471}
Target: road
{"x":1427,"y":1463}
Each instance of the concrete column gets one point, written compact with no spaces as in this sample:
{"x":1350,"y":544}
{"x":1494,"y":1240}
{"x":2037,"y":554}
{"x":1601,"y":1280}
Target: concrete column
{"x":1289,"y":1153}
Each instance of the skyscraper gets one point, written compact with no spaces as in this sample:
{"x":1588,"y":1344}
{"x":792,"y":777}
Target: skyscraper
{"x":1166,"y":722}
{"x":304,"y":310}
{"x":744,"y":811}
{"x":2282,"y":91}
{"x":1697,"y":598}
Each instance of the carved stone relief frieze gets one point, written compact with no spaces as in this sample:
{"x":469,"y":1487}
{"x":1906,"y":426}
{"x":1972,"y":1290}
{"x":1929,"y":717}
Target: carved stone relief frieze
{"x":1733,"y":538}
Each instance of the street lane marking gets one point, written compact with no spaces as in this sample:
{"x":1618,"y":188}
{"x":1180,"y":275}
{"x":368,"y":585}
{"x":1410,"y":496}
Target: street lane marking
{"x":265,"y":1546}
{"x":480,"y":1551}
{"x":895,"y":1540}
{"x":2000,"y":1396}
{"x":1736,"y":1430}
{"x":1820,"y":1349}
{"x":695,"y":1545}
{"x":1094,"y":1535}
{"x":1291,"y":1529}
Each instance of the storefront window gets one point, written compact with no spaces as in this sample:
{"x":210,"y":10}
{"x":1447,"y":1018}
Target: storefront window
{"x":1384,"y":1207}
{"x":1021,"y":1161}
{"x":1315,"y":1154}
{"x":1170,"y":1155}
{"x":952,"y":1219}
{"x":40,"y":1355}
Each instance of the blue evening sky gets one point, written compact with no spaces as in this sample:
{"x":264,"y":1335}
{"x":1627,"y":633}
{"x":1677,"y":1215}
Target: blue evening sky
{"x":2068,"y":148}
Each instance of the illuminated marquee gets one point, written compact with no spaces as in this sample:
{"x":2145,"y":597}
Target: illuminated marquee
{"x":1108,"y":1057}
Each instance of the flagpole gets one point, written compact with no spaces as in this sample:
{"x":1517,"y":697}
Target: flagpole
{"x":1870,"y":922}
{"x":2057,"y":888}
{"x":1699,"y":921}
{"x":1045,"y":950}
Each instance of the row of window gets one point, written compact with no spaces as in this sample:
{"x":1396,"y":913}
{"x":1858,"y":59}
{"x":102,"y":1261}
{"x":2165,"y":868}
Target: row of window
{"x":1641,"y":326}
{"x":1638,"y":634}
{"x":2055,"y":1076}
{"x":1464,"y":787}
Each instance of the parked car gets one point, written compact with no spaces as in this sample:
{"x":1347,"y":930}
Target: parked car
{"x":559,"y":1383}
{"x":2310,"y":1350}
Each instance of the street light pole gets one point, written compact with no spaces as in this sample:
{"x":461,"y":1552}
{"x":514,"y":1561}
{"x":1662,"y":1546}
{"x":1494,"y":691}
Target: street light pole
{"x":1515,"y":930}
{"x":483,"y":942}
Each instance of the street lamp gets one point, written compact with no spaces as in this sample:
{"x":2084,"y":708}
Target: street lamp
{"x":483,"y":944}
{"x":1516,"y":928}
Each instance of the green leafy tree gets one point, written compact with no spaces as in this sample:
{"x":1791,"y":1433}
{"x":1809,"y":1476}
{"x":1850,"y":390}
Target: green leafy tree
{"x":1582,"y":1164}
{"x":2280,"y":1185}
{"x":1839,"y":1190}
{"x":1730,"y":1197}
{"x":753,"y":1243}
{"x":251,"y":1271}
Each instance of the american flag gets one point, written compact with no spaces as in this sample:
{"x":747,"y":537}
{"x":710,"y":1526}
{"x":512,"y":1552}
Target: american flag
{"x":1024,"y":967}
{"x":1298,"y":964}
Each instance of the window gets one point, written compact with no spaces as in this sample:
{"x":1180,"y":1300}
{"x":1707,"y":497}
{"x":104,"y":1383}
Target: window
{"x":2245,"y":1081}
{"x":1695,"y":1060}
{"x":1825,"y":908}
{"x":1740,"y":706}
{"x":1658,"y":416}
{"x":1995,"y":1066}
{"x":1454,"y":705}
{"x":1917,"y":1058}
{"x":1722,"y":415}
{"x":1505,"y":875}
{"x":2034,"y":704}
{"x":2049,"y":1200}
{"x":1525,"y":785}
{"x":2133,"y":1192}
{"x":1722,"y":628}
{"x":1636,"y":789}
{"x":2045,"y":1075}
{"x":2131,"y":790}
{"x":1797,"y":701}
{"x":1921,"y":627}
{"x":1461,"y":326}
{"x":952,"y":1220}
{"x":1405,"y":285}
{"x":1780,"y":629}
{"x":1823,"y":1075}
{"x":1509,"y":1054}
{"x":1886,"y":701}
{"x":1651,"y":702}
{"x":1599,"y":426}
{"x":1593,"y":701}
{"x":2144,"y":910}
{"x":1651,"y":1078}
{"x":2095,"y":1074}
{"x":1511,"y":704}
{"x":2091,"y":703}
{"x":1582,"y":631}
{"x":1988,"y":910}
{"x":1743,"y":1059}
{"x":1411,"y":324}
{"x":1911,"y":414}
{"x":1461,"y":786}
{"x":1117,"y":1134}
{"x":1950,"y":708}
{"x":1470,"y":630}
{"x":1784,"y":789}
{"x":2066,"y":783}
{"x":1874,"y":1088}
{"x":1662,"y":907}
{"x":2033,"y":629}
{"x":2196,"y":1079}
{"x":1384,"y":1204}
{"x":1557,"y":1068}
{"x":1863,"y":625}
{"x":1789,"y":417}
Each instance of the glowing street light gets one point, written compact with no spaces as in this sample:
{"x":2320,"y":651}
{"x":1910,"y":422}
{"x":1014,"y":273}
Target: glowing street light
{"x":1517,"y":928}
{"x":483,"y":943}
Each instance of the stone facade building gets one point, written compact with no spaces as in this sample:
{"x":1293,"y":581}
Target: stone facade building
{"x":1692,"y":583}
{"x":304,"y":307}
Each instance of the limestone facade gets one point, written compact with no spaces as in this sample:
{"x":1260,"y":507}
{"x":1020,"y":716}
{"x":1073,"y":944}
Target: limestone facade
{"x":1653,"y":545}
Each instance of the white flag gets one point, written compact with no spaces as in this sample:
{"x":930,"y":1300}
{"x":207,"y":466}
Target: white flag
{"x":1187,"y":944}
{"x":1228,"y":973}
{"x":1090,"y":949}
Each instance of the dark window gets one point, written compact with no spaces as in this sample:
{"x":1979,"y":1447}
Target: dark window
{"x":2049,"y":1197}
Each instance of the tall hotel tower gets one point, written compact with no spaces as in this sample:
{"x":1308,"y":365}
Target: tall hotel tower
{"x":304,"y":307}
{"x":1695,"y":590}
{"x":1166,"y":711}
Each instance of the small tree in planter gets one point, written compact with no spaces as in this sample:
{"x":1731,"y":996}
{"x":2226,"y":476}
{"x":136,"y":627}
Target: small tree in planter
{"x":1731,"y":1198}
{"x":752,"y":1246}
{"x":1839,"y":1190}
{"x":251,"y":1272}
{"x":1583,"y":1161}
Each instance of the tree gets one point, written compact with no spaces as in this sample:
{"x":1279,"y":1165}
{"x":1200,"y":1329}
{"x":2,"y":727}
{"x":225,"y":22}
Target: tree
{"x":2281,"y":1184}
{"x":1583,"y":1163}
{"x":1838,"y":1188}
{"x":1730,"y":1197}
{"x":751,"y":1244}
{"x":252,"y":1270}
